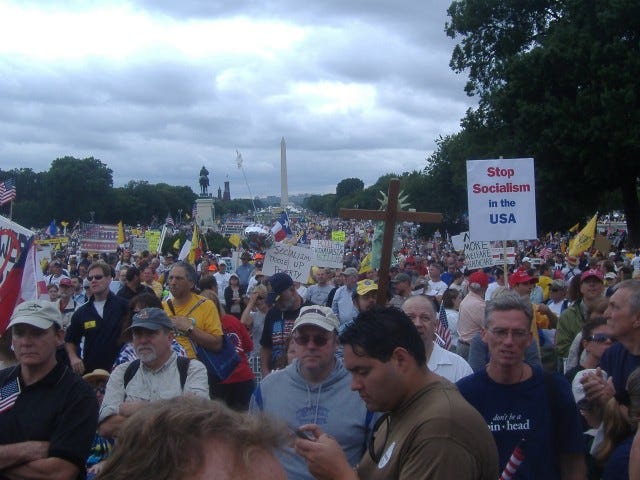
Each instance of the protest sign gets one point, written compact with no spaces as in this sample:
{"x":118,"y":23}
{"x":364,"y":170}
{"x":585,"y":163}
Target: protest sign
{"x":291,"y":259}
{"x":153,"y":240}
{"x":327,"y":253}
{"x":95,"y":237}
{"x":338,"y":236}
{"x":502,"y":200}
{"x":476,"y":254}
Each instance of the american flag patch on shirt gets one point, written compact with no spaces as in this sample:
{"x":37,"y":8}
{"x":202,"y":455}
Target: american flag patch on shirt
{"x":9,"y":394}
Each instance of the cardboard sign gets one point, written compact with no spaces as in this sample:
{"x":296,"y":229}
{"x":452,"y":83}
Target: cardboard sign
{"x":327,"y":253}
{"x":477,"y":254}
{"x":502,"y":199}
{"x":291,"y":259}
{"x":153,"y":240}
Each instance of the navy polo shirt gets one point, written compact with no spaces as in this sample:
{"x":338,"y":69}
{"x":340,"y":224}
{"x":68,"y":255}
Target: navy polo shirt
{"x":61,"y":409}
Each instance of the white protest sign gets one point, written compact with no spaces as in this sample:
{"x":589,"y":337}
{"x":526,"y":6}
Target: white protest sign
{"x":458,"y":242}
{"x":291,"y":259}
{"x":327,"y":253}
{"x":476,"y":254}
{"x":502,"y":199}
{"x":498,"y":255}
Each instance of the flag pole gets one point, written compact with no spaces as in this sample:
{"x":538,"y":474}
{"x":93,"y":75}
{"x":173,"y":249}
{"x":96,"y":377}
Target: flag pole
{"x":11,"y":210}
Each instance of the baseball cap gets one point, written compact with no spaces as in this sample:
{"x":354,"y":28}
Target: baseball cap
{"x":39,"y":313}
{"x":576,"y":385}
{"x":610,"y":276}
{"x":278,"y":283}
{"x":65,"y":282}
{"x":572,"y":261}
{"x":480,"y":278}
{"x":521,"y":276}
{"x":401,"y":277}
{"x":526,"y":259}
{"x":318,"y":316}
{"x":593,"y":272}
{"x":151,"y":318}
{"x":365,"y":286}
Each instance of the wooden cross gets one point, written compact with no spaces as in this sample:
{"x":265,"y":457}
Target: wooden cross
{"x":390,"y":217}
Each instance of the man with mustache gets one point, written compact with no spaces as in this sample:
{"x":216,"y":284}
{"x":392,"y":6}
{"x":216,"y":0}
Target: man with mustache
{"x":157,"y":374}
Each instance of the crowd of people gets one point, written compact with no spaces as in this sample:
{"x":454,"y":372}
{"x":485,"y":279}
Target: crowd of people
{"x":461,"y":374}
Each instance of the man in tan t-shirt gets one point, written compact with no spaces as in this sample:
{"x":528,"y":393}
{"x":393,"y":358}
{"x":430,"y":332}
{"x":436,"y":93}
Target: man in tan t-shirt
{"x":429,"y":430}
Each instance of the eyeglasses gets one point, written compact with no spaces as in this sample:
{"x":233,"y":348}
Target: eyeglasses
{"x":600,"y":338}
{"x":376,"y":454}
{"x":318,"y":340}
{"x":95,"y":277}
{"x":503,"y":333}
{"x":260,"y":297}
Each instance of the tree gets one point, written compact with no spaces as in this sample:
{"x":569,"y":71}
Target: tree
{"x":559,"y":81}
{"x":74,"y":187}
{"x":348,"y":186}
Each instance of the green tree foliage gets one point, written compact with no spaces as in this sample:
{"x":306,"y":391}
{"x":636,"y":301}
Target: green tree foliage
{"x":348,"y":186}
{"x":559,"y":81}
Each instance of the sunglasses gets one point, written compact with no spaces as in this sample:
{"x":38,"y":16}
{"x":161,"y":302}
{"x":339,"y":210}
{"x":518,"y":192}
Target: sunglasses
{"x":318,"y":340}
{"x":95,"y":277}
{"x":600,"y":338}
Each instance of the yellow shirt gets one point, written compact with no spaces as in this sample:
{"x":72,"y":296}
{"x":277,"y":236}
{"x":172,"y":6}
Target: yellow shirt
{"x":206,"y":317}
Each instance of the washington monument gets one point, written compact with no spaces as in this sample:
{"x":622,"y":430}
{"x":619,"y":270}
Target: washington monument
{"x":284,"y":191}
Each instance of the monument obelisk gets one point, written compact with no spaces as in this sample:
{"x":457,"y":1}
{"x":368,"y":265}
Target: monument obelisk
{"x":284,"y":191}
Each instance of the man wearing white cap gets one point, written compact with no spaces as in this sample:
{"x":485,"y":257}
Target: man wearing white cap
{"x":315,"y":388}
{"x":48,"y":414}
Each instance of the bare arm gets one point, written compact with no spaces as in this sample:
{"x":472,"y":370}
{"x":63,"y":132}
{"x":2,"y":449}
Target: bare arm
{"x":76,"y":362}
{"x":112,"y":425}
{"x":324,"y":456}
{"x":573,"y":467}
{"x":265,"y":359}
{"x":199,"y":336}
{"x":246,"y":318}
{"x":14,"y":454}
{"x":47,"y":469}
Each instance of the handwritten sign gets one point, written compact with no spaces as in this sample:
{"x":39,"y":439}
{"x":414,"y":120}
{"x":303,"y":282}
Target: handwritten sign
{"x":291,"y":259}
{"x":502,"y":199}
{"x":477,"y":254}
{"x":327,"y":253}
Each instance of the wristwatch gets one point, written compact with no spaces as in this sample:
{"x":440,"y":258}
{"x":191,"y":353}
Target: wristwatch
{"x":188,"y":331}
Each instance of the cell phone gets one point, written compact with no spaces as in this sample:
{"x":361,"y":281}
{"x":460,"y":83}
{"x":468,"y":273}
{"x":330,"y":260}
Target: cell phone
{"x":304,"y":434}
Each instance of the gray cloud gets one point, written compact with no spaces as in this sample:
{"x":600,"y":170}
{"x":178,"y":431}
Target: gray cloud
{"x":160,"y":116}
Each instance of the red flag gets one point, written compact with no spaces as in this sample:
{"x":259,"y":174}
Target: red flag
{"x":12,"y":283}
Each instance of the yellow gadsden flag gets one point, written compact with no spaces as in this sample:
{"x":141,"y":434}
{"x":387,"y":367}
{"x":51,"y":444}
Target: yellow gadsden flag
{"x":585,"y":238}
{"x":120,"y":233}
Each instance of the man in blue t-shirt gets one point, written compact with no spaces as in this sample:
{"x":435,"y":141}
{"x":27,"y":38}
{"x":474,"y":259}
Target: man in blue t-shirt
{"x":524,"y":405}
{"x":623,"y":316}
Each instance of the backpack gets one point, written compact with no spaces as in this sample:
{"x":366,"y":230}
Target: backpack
{"x":183,"y":368}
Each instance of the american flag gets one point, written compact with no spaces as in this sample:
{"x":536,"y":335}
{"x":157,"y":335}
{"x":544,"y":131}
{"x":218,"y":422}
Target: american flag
{"x":169,"y":220}
{"x":443,"y":334}
{"x":9,"y":394}
{"x":7,"y":191}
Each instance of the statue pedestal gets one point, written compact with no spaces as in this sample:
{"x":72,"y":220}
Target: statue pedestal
{"x":205,"y":213}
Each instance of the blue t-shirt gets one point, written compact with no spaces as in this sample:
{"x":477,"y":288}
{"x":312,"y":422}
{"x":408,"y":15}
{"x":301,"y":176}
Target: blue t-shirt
{"x":521,"y":411}
{"x":617,"y":466}
{"x":619,"y":363}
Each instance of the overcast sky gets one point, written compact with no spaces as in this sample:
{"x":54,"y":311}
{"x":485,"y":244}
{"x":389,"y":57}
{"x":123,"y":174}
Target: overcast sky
{"x":156,"y":89}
